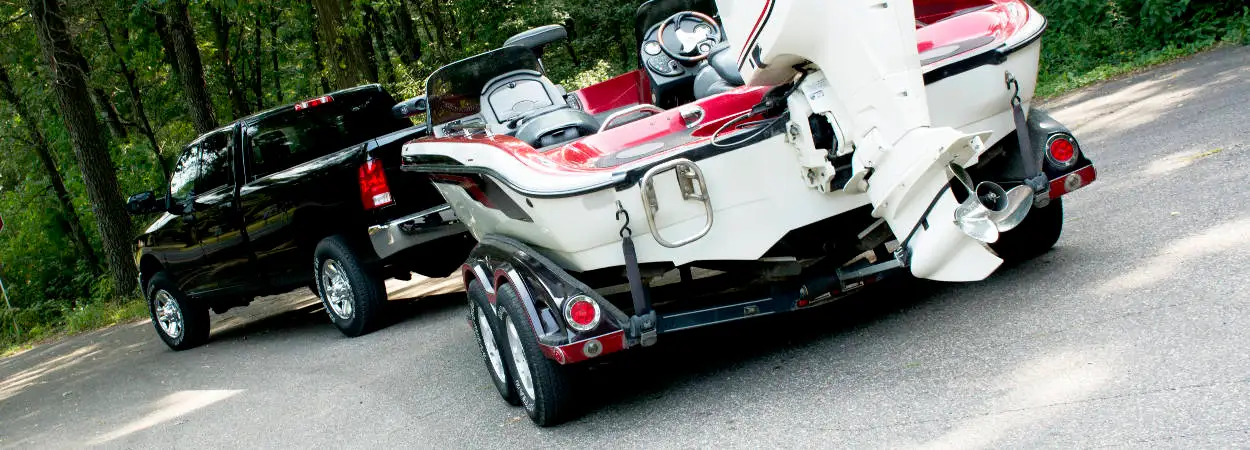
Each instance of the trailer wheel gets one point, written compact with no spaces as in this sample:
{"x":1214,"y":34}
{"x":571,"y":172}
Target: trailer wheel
{"x":542,"y":384}
{"x":1037,"y":234}
{"x":487,"y":328}
{"x":351,"y":291}
{"x":180,"y":321}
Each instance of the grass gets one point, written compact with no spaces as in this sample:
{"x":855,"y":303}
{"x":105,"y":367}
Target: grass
{"x":90,"y":317}
{"x":1054,"y":85}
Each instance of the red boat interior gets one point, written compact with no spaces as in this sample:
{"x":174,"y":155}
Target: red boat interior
{"x":946,"y":30}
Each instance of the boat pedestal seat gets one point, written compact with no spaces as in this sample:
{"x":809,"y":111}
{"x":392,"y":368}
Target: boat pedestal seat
{"x":718,"y":73}
{"x":557,"y":127}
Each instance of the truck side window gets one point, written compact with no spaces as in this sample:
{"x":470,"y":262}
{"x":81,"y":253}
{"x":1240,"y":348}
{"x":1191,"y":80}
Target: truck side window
{"x":182,"y":181}
{"x":215,"y":156}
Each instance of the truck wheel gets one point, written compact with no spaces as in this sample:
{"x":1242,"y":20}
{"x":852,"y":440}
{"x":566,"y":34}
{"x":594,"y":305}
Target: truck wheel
{"x":487,"y":328}
{"x":542,"y":384}
{"x":1037,"y":234}
{"x":352,"y":293}
{"x":180,"y":321}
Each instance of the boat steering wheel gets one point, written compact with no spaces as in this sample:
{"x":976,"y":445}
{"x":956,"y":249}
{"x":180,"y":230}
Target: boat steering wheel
{"x":698,"y":41}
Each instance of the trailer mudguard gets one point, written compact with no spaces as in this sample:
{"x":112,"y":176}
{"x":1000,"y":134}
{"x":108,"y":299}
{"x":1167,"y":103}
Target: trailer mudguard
{"x":544,"y":287}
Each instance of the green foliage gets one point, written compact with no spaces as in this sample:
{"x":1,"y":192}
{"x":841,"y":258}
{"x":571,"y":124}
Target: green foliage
{"x":1092,"y":40}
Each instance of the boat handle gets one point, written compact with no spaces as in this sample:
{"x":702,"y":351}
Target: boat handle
{"x":609,"y":122}
{"x":687,"y":174}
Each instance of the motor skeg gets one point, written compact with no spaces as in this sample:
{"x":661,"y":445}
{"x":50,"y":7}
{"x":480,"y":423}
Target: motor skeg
{"x":863,"y":72}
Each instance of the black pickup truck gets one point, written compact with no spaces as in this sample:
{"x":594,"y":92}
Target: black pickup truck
{"x":305,"y":195}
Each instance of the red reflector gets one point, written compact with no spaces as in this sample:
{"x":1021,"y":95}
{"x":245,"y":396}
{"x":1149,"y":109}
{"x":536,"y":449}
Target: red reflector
{"x":582,"y":312}
{"x":802,"y":302}
{"x":374,"y":192}
{"x":1062,"y":150}
{"x":314,"y":102}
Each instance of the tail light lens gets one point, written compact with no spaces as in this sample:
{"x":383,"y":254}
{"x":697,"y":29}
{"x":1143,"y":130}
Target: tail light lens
{"x":374,"y":192}
{"x":581,"y":313}
{"x":1061,"y":151}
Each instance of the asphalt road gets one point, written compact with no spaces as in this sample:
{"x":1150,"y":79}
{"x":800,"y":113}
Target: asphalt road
{"x":1134,"y":331}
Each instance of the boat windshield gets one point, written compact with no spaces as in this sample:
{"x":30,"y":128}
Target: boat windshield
{"x":454,"y":91}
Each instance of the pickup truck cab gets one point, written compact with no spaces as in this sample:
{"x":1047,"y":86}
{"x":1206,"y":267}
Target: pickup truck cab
{"x":305,"y":195}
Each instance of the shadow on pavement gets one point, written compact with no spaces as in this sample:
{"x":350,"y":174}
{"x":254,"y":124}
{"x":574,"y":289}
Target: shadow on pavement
{"x":309,"y":315}
{"x":692,"y":356}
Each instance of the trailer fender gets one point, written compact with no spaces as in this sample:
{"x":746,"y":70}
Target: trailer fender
{"x":543,"y":287}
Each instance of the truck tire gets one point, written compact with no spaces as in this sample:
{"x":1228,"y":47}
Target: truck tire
{"x":487,"y":329}
{"x":350,"y":290}
{"x":180,"y":321}
{"x":542,"y":384}
{"x":1037,"y":234}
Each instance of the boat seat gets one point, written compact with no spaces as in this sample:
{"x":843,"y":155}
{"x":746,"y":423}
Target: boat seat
{"x":718,"y":73}
{"x":556,"y":127}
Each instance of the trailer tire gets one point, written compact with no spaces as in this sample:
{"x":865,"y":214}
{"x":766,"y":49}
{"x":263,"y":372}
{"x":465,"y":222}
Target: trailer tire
{"x":351,"y":291}
{"x":1037,"y":234}
{"x":487,"y":328}
{"x":547,"y":398}
{"x":181,"y":322}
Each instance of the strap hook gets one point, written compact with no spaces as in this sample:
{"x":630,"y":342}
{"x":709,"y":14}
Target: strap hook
{"x":625,"y":232}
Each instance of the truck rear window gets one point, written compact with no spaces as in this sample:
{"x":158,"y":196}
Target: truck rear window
{"x":289,"y":138}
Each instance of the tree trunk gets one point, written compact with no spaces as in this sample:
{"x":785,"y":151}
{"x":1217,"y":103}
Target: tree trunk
{"x":274,"y":15}
{"x":49,"y":166}
{"x":136,"y":99}
{"x":316,"y":52}
{"x":167,"y":40}
{"x":221,"y":39}
{"x":386,"y":73}
{"x":257,"y":92}
{"x":68,"y":70}
{"x":194,"y":88}
{"x":111,"y":117}
{"x":404,"y":39}
{"x":349,"y":56}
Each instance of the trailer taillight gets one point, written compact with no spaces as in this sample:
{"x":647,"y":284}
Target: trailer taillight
{"x":1061,"y":151}
{"x":374,"y":192}
{"x":582,"y":313}
{"x":314,"y":102}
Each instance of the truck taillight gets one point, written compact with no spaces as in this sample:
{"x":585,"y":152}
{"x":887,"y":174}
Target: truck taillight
{"x":314,"y":102}
{"x":374,"y":192}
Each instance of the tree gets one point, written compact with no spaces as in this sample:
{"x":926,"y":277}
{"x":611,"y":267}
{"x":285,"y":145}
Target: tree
{"x":404,"y":39}
{"x":136,"y":98}
{"x":69,"y":84}
{"x":221,"y":39}
{"x":350,"y":52}
{"x":40,"y":145}
{"x":190,"y":68}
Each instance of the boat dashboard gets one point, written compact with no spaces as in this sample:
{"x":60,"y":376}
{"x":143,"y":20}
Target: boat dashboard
{"x":673,"y":50}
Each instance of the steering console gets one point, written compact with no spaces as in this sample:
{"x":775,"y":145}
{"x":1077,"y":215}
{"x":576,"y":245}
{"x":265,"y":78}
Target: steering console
{"x":695,"y":35}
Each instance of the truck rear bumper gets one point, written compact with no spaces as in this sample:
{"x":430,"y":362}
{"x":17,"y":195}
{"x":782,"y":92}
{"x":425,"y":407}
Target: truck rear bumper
{"x":414,"y":229}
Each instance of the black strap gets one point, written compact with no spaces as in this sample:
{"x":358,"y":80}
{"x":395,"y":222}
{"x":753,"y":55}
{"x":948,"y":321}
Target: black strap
{"x":637,"y":290}
{"x":1031,"y":160}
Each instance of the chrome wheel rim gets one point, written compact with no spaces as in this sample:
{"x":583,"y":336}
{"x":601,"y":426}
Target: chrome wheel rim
{"x":488,"y":342}
{"x":168,"y":314}
{"x":337,"y":289}
{"x":518,"y":358}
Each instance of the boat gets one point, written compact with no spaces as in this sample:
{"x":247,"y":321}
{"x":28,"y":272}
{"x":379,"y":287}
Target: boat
{"x":817,"y":146}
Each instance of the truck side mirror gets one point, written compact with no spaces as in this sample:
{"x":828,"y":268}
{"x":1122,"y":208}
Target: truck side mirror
{"x":144,"y":203}
{"x":410,"y":107}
